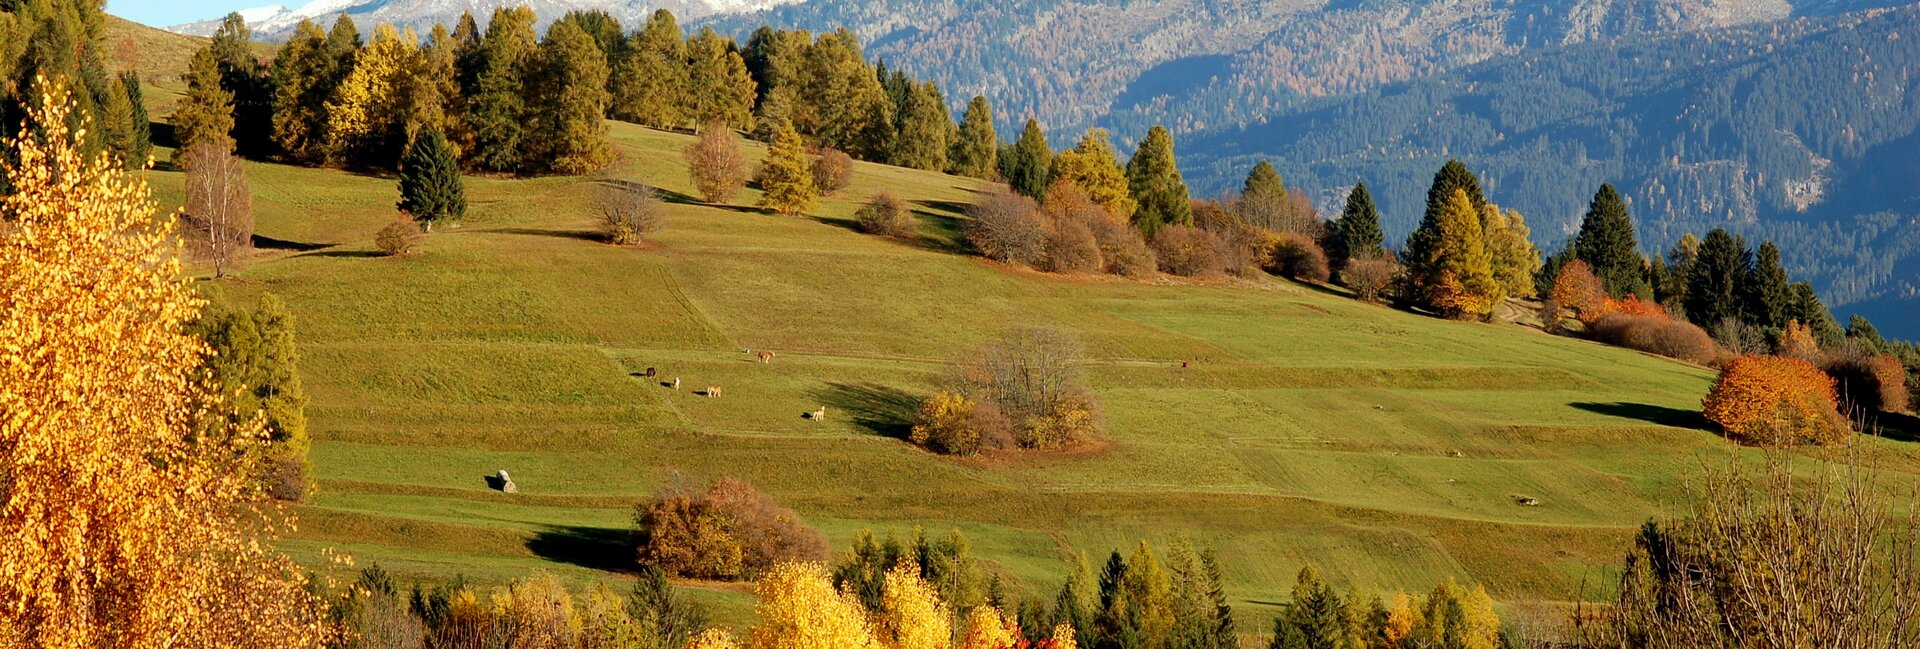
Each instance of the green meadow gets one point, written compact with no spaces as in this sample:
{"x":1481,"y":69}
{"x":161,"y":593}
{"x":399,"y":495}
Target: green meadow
{"x":1389,"y":449}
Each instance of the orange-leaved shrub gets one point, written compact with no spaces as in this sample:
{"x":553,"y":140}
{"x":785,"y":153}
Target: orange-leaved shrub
{"x":1188,"y":251}
{"x":728,"y":531}
{"x":1775,"y":401}
{"x":1296,"y":256}
{"x":1656,"y":334}
{"x":1370,"y":277}
{"x":951,"y":423}
{"x":1797,"y":342}
{"x":1869,"y":383}
{"x":1577,"y":288}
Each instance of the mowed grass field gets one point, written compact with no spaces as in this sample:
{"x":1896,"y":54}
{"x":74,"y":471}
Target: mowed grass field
{"x":1386,"y":448}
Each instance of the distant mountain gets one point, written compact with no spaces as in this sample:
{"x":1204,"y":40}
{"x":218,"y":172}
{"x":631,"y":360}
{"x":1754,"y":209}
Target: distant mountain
{"x":1805,"y":132}
{"x":275,"y":22}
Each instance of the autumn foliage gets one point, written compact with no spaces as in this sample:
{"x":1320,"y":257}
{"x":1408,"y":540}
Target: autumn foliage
{"x":728,"y":531}
{"x":123,"y":526}
{"x":1775,"y":401}
{"x":1577,"y":288}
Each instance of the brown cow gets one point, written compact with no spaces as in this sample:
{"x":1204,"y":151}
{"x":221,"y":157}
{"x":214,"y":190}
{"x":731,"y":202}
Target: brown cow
{"x":818,"y":415}
{"x":765,"y":356}
{"x":712,"y":391}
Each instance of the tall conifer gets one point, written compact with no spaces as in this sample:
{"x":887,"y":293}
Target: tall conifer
{"x":976,"y":150}
{"x":1606,"y":243}
{"x":1357,"y":232}
{"x":651,"y":86}
{"x":498,"y":107}
{"x":567,"y":130}
{"x":786,"y":178}
{"x":1028,"y":164}
{"x":431,"y":190}
{"x":205,"y":115}
{"x":1153,"y":177}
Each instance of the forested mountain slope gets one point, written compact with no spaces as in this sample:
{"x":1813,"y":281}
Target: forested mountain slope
{"x":1803,"y":132}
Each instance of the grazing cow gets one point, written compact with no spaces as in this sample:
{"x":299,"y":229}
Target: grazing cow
{"x":676,"y":383}
{"x":765,"y":356}
{"x":818,"y":415}
{"x":649,"y":373}
{"x":713,"y":391}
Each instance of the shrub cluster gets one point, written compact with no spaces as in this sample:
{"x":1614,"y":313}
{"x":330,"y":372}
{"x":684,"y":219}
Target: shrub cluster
{"x":1869,"y":383}
{"x":1775,"y":401}
{"x":399,"y":237}
{"x":1023,"y":390}
{"x":630,"y":212}
{"x":1370,"y":278}
{"x":1006,"y":227}
{"x":832,"y":171}
{"x":536,"y":611}
{"x":1189,"y":251}
{"x":1656,"y":334}
{"x":888,"y":216}
{"x":728,"y":531}
{"x":1296,"y":256}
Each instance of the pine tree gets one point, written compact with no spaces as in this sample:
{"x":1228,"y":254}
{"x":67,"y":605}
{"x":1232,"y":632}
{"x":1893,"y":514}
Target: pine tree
{"x":1672,"y":290}
{"x":1765,"y":289}
{"x":1093,"y":167}
{"x":1515,"y":262}
{"x":205,"y":115}
{"x":303,"y":74}
{"x":1606,"y":243}
{"x":343,"y":41}
{"x":773,"y":59}
{"x":1458,"y":271}
{"x":117,"y":123}
{"x":1713,"y":284}
{"x":1357,"y":233}
{"x":1154,"y":179}
{"x":651,"y":87}
{"x":924,"y":120}
{"x":1805,"y":306}
{"x":721,"y":89}
{"x":572,"y":99}
{"x":786,"y":178}
{"x":498,"y":105}
{"x":607,"y":34}
{"x":841,"y":101}
{"x":431,"y":190}
{"x":1027,"y":166}
{"x":976,"y":150}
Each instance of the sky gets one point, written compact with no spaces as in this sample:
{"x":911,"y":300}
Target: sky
{"x":162,"y":13}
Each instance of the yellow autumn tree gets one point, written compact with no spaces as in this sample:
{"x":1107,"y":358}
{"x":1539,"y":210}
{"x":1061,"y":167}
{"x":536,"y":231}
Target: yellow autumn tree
{"x":799,"y":609}
{"x":911,"y":615}
{"x":367,"y":115}
{"x":1093,"y":167}
{"x":1515,"y":262}
{"x":786,"y":178}
{"x":988,"y":629}
{"x":1462,"y":282}
{"x":1402,"y":617}
{"x":1063,"y":637}
{"x":125,"y":524}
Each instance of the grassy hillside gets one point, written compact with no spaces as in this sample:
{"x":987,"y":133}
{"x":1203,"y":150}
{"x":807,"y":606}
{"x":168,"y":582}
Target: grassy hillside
{"x":1387,"y":448}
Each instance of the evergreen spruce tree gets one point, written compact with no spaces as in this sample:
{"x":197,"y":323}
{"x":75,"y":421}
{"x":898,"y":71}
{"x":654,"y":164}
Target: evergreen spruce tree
{"x":607,"y":34}
{"x":205,"y":115}
{"x":1263,"y":200}
{"x":1804,"y":305}
{"x":116,"y":124}
{"x":1357,"y":233}
{"x":651,"y":87}
{"x":1154,"y":179}
{"x":1713,"y":283}
{"x":976,"y":151}
{"x":1078,"y":603}
{"x":1765,"y":289}
{"x":1093,"y":166}
{"x":786,"y":179}
{"x":139,"y":123}
{"x":721,"y":89}
{"x":303,"y":80}
{"x":1027,"y":166}
{"x":924,"y":120}
{"x":498,"y":109}
{"x":431,"y":190}
{"x":1606,"y":243}
{"x":567,"y":128}
{"x":1672,"y":289}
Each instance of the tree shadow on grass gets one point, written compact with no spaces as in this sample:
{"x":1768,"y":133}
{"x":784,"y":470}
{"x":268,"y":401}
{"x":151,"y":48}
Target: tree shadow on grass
{"x":886,"y":411}
{"x":578,"y":235}
{"x":1895,"y":426}
{"x":269,"y":243}
{"x":344,"y":254}
{"x":1649,"y":413}
{"x":599,"y":548}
